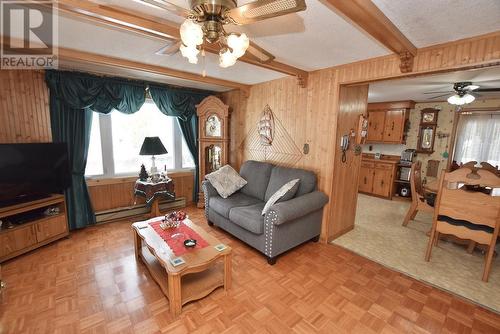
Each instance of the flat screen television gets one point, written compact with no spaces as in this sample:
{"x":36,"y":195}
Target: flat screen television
{"x":32,"y":170}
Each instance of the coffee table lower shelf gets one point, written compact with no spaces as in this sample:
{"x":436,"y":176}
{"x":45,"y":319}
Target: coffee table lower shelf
{"x":193,"y":286}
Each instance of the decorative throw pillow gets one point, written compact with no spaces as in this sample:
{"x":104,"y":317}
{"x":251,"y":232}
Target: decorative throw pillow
{"x":226,"y":181}
{"x":286,"y":192}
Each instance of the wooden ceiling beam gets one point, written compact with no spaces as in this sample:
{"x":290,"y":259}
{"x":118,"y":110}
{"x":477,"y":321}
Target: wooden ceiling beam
{"x":92,"y":58}
{"x":97,"y":59}
{"x":366,"y":15}
{"x":159,"y":28}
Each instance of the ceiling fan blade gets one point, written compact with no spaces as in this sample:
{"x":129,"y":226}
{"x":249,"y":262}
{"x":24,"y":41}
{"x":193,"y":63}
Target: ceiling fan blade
{"x":487,"y":90}
{"x":259,"y":53}
{"x":436,"y":97}
{"x":169,"y":49}
{"x":264,"y":9}
{"x":168,"y":6}
{"x":471,"y":87}
{"x":449,"y":91}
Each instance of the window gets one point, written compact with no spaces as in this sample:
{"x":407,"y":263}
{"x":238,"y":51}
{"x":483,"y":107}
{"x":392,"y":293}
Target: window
{"x":119,"y":136}
{"x":477,"y":138}
{"x":94,"y":157}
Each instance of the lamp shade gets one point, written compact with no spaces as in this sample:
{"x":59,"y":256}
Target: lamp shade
{"x":152,"y":146}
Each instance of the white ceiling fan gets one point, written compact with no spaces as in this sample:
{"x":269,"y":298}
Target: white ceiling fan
{"x":465,"y":93}
{"x":206,"y":20}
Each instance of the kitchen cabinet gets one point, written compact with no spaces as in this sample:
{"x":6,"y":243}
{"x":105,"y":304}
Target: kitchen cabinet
{"x":377,"y":177}
{"x":366,"y":177}
{"x":376,"y":119}
{"x":386,"y":122}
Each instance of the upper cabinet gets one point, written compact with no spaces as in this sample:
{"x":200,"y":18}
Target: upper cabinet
{"x":387,"y":120}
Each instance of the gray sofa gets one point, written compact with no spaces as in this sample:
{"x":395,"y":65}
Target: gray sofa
{"x":287,"y":224}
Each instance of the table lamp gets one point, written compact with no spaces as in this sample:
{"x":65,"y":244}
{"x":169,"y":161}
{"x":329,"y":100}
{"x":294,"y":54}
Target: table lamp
{"x":152,"y":146}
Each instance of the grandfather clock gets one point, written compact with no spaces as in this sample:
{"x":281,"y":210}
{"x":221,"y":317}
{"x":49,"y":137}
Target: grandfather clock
{"x":213,"y":125}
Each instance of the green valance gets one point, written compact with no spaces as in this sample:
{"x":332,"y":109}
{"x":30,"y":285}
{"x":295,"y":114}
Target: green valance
{"x":101,"y":94}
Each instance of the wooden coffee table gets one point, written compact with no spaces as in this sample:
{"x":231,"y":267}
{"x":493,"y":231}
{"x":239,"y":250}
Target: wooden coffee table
{"x":205,"y":269}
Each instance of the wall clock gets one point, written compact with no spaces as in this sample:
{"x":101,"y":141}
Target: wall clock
{"x":427,"y":130}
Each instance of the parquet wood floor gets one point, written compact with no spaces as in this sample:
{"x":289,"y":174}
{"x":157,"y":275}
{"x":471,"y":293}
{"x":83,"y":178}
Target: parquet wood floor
{"x":91,"y":283}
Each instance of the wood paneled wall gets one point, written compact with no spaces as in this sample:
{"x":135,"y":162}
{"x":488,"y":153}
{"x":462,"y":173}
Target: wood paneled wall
{"x":24,"y":107}
{"x":25,"y":118}
{"x":311,"y":114}
{"x":353,"y":101}
{"x":109,"y":194}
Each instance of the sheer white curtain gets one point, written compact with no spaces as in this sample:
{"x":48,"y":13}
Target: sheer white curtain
{"x":478,"y":139}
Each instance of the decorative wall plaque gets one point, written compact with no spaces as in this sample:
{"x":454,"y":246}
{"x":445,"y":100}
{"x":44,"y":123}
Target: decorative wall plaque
{"x":265,"y":127}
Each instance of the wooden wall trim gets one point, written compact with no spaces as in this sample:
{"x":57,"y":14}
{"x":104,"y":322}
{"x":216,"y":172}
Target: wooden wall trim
{"x":469,"y":53}
{"x":392,"y":105}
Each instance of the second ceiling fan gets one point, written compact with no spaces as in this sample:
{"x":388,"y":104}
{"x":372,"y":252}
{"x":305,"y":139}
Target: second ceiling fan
{"x":465,"y":93}
{"x":205,"y":23}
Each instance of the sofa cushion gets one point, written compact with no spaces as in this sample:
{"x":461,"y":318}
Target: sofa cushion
{"x":223,"y":205}
{"x":226,"y":181}
{"x":249,"y":217}
{"x":257,"y":175}
{"x":281,"y":175}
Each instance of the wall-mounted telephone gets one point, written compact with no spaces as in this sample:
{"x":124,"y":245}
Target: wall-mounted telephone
{"x":344,"y":145}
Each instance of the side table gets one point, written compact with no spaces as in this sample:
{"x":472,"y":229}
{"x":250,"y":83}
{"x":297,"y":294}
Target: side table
{"x":153,"y":191}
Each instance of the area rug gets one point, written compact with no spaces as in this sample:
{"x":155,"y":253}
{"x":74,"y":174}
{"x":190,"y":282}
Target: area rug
{"x":379,"y":236}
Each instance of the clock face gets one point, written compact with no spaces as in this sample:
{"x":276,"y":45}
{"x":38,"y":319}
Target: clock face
{"x":213,"y":126}
{"x":428,"y":117}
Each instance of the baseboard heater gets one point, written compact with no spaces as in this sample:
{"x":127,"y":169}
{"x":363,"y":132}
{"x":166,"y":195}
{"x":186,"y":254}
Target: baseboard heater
{"x":137,"y":210}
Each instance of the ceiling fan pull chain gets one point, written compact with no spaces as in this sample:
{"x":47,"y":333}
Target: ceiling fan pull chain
{"x":204,"y":63}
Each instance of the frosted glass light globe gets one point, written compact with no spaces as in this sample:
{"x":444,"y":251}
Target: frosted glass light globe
{"x":191,"y":33}
{"x":239,"y":44}
{"x":190,"y":52}
{"x":226,"y":59}
{"x":461,"y":100}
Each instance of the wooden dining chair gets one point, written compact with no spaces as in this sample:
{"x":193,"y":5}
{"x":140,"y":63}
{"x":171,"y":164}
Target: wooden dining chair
{"x":418,"y":202}
{"x":490,"y":167}
{"x":467,"y":214}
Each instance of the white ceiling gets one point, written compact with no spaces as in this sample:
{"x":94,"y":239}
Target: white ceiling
{"x":414,"y":88}
{"x":429,"y":22}
{"x":314,"y":39}
{"x":291,"y":38}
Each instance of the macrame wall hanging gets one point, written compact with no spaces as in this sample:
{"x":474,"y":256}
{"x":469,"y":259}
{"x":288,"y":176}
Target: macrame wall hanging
{"x":270,"y":141}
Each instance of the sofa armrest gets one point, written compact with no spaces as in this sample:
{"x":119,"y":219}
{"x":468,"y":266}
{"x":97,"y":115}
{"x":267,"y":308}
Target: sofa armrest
{"x":297,"y":207}
{"x":208,"y":189}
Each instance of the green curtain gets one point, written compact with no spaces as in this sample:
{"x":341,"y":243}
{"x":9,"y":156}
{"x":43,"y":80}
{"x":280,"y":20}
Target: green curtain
{"x":181,"y":103}
{"x":73,"y":97}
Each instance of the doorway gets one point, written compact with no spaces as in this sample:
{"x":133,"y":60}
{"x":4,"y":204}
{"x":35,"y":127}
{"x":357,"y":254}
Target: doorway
{"x":384,"y":194}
